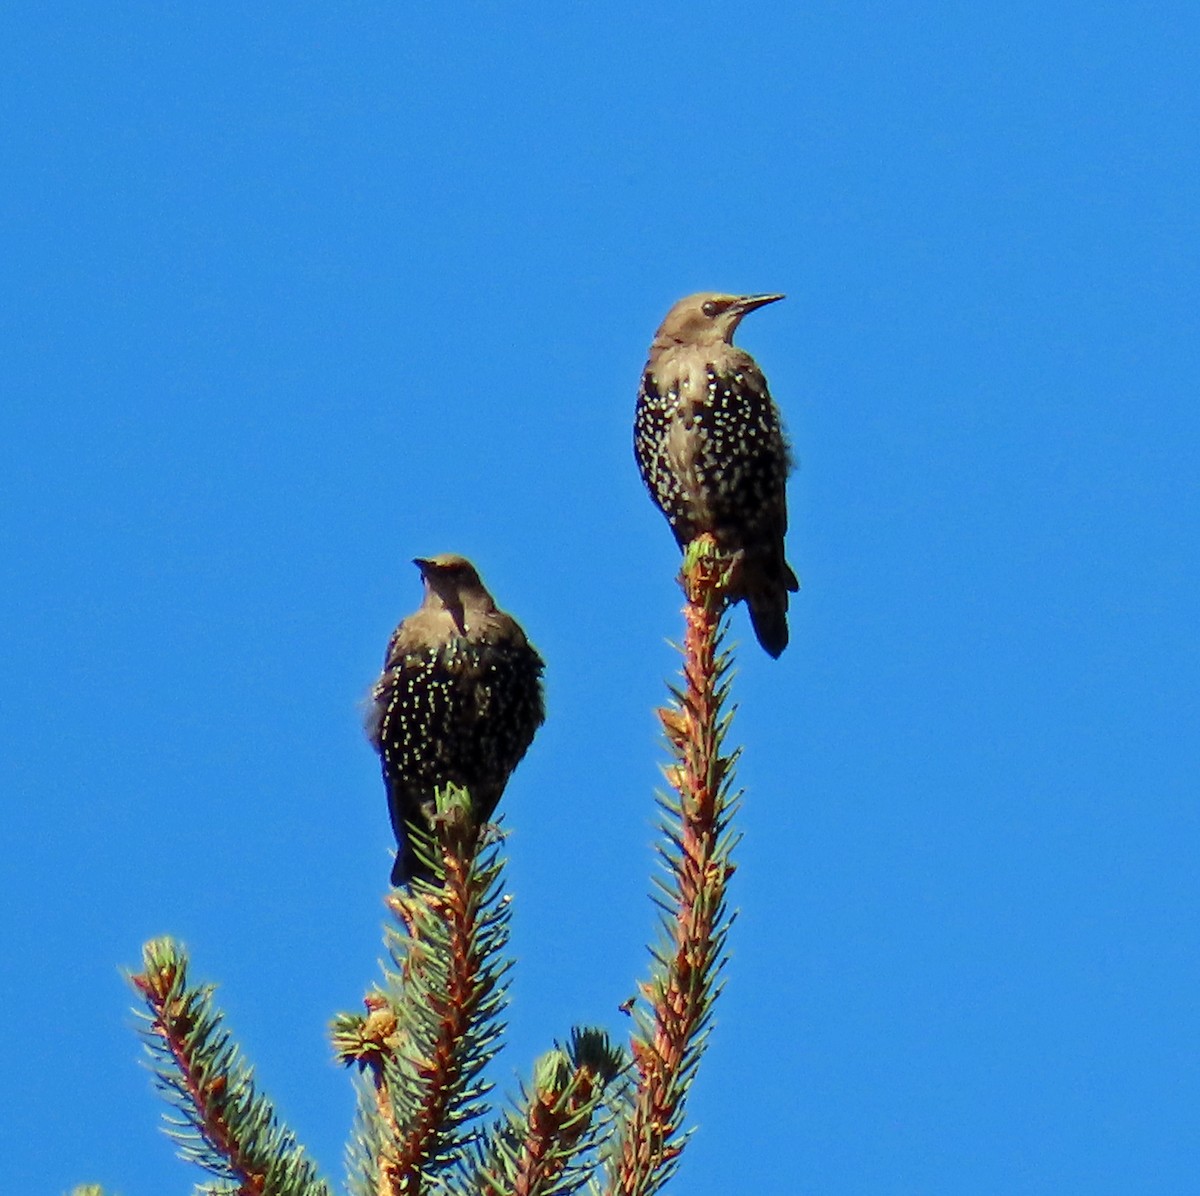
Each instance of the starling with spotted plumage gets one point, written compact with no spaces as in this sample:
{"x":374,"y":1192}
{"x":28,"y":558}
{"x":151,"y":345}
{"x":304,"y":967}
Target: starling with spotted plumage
{"x":710,"y":447}
{"x":459,"y":701}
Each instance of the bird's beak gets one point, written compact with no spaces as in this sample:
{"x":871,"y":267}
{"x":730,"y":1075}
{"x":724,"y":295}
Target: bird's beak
{"x":422,"y":563}
{"x":752,"y":302}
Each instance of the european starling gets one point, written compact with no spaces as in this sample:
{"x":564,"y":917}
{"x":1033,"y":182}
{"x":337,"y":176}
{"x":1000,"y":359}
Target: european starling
{"x":459,"y":700}
{"x":711,"y":450}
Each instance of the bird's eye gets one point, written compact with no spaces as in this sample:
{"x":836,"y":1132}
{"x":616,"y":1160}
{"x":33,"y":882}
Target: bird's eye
{"x":709,"y":309}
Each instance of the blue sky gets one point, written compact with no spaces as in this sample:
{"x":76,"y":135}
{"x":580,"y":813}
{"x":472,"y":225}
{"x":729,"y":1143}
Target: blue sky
{"x":294,"y":295}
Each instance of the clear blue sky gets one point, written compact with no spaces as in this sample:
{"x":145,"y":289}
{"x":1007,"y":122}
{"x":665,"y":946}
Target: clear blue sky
{"x":294,"y":294}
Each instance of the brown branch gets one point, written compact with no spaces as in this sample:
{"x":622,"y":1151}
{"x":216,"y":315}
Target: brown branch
{"x":681,"y":995}
{"x":456,"y":906}
{"x":442,"y":1069}
{"x":428,"y":1033}
{"x":559,"y":1117}
{"x":369,"y":1042}
{"x":163,"y":986}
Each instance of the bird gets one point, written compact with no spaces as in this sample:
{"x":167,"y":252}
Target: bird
{"x":458,"y":701}
{"x":711,"y":450}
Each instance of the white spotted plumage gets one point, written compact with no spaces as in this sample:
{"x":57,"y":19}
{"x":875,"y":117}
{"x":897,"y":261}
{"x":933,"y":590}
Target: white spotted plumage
{"x":458,"y":702}
{"x":719,"y":464}
{"x":711,"y":450}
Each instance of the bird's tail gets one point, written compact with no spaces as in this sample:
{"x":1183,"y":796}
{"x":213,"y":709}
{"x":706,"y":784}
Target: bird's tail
{"x":408,"y":867}
{"x":407,"y":806}
{"x":766,"y":591}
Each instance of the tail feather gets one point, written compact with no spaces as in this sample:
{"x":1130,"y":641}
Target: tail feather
{"x":408,"y":868}
{"x":409,"y":807}
{"x":768,"y":617}
{"x":767,"y":581}
{"x":408,"y":865}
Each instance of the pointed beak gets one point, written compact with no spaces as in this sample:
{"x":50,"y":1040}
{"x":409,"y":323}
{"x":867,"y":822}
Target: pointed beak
{"x":422,"y":563}
{"x":752,"y":302}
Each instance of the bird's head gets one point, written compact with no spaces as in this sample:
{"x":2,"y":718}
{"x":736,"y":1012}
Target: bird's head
{"x":452,"y":582}
{"x":708,"y":318}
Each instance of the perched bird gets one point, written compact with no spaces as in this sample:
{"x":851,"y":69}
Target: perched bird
{"x":710,"y":446}
{"x":459,"y":700}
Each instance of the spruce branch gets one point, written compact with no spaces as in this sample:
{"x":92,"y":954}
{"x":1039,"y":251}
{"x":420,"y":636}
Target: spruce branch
{"x":546,"y":1145}
{"x":430,"y":1031}
{"x":369,"y":1042}
{"x":433,"y":1024}
{"x":673,"y":1014}
{"x":224,"y":1124}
